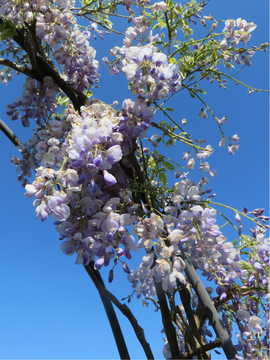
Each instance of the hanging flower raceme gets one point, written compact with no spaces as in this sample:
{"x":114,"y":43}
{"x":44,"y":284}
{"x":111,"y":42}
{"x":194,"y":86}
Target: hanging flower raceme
{"x":233,"y":37}
{"x":145,"y":67}
{"x":30,"y":106}
{"x":81,"y":184}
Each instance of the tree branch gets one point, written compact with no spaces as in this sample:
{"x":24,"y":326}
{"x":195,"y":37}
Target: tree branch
{"x":44,"y":67}
{"x":20,"y":68}
{"x":201,"y":350}
{"x":185,"y":298}
{"x":9,"y":133}
{"x":209,"y":308}
{"x":166,"y":320}
{"x":116,"y":329}
{"x":123,"y":308}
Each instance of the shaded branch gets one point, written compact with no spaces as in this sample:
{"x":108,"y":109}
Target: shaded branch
{"x":185,"y":298}
{"x":201,"y":350}
{"x":209,"y":308}
{"x":9,"y":133}
{"x":20,"y":68}
{"x":116,"y":329}
{"x":123,"y":308}
{"x":166,"y":320}
{"x":44,"y":67}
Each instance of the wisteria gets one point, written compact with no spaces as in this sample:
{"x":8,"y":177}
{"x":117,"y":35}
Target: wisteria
{"x":107,"y":193}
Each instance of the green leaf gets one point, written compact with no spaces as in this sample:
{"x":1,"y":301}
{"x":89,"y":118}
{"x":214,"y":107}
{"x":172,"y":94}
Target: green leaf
{"x":62,"y":101}
{"x":246,"y":238}
{"x":162,"y":23}
{"x":200,"y":91}
{"x":245,"y":265}
{"x":156,"y":26}
{"x":182,"y":73}
{"x":170,"y":4}
{"x":168,"y":165}
{"x":170,"y":142}
{"x":191,"y":94}
{"x":169,"y":109}
{"x":187,"y":62}
{"x":7,"y":30}
{"x":163,"y":178}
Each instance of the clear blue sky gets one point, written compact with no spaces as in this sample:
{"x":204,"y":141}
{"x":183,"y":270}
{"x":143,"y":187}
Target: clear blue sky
{"x":48,"y":306}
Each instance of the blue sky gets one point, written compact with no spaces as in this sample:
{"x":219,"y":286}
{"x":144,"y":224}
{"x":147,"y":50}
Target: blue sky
{"x":48,"y":307}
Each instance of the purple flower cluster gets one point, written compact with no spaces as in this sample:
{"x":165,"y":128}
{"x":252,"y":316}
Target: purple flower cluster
{"x":145,"y":67}
{"x":30,"y":105}
{"x":233,"y":37}
{"x":81,"y":184}
{"x":73,"y":50}
{"x":147,"y":70}
{"x":55,"y":24}
{"x":194,"y":231}
{"x":191,"y":229}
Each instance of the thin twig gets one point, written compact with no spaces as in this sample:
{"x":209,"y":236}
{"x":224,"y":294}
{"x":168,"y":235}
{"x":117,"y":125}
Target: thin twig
{"x":99,"y":23}
{"x":171,"y":134}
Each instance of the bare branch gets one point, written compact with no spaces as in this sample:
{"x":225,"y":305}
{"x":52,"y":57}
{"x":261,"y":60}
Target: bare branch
{"x":209,"y":308}
{"x":115,"y":326}
{"x":9,"y":133}
{"x":185,"y":298}
{"x":167,"y":320}
{"x":202,"y":349}
{"x":20,"y":68}
{"x":125,"y":311}
{"x":99,"y":23}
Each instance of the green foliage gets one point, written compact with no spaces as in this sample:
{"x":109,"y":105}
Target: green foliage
{"x":62,"y":101}
{"x":7,"y":30}
{"x":163,"y":178}
{"x":245,"y":265}
{"x":168,"y":165}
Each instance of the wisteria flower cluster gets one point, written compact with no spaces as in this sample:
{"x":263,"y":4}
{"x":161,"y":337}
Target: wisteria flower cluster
{"x":145,"y":67}
{"x":233,"y":37}
{"x":31,"y":104}
{"x":92,"y":186}
{"x":56,"y":26}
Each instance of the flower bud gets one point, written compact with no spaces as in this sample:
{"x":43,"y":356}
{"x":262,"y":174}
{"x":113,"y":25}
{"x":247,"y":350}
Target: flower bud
{"x":110,"y":279}
{"x":222,"y":142}
{"x":237,"y":218}
{"x":240,"y":229}
{"x":203,"y":22}
{"x":125,"y":268}
{"x":109,"y":178}
{"x":177,"y":174}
